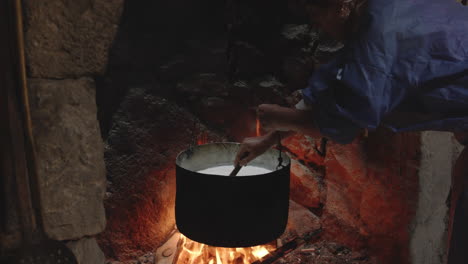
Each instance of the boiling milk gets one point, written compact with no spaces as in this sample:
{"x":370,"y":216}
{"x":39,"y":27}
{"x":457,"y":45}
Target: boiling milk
{"x":227,"y":169}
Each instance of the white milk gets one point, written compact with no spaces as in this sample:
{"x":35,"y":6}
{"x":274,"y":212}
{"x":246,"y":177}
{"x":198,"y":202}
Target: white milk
{"x":227,"y":169}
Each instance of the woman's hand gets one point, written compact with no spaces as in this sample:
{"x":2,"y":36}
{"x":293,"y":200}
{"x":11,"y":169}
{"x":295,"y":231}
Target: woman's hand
{"x":253,"y":147}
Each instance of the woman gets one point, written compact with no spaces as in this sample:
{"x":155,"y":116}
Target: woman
{"x":404,"y":66}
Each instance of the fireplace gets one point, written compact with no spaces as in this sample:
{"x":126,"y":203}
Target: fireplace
{"x":118,"y":89}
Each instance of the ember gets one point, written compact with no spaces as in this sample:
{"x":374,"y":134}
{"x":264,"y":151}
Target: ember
{"x":257,"y":128}
{"x":192,"y":252}
{"x":202,"y":138}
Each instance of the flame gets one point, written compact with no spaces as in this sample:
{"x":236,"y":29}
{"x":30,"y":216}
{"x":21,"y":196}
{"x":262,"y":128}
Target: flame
{"x":257,"y":127}
{"x":196,"y":253}
{"x":202,"y":138}
{"x":259,"y":252}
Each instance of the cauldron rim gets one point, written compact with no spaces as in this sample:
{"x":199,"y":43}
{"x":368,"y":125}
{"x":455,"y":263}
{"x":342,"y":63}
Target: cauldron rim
{"x":179,"y":159}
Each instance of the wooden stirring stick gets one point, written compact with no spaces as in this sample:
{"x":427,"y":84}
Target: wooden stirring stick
{"x":235,"y":171}
{"x":238,"y":167}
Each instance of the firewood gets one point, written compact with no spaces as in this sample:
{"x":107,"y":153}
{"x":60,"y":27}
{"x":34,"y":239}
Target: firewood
{"x":289,"y":247}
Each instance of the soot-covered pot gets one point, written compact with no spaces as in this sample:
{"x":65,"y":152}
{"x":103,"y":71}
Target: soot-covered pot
{"x":223,"y":211}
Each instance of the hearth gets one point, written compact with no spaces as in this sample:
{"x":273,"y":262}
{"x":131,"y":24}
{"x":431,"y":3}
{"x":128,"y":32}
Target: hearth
{"x":118,"y":89}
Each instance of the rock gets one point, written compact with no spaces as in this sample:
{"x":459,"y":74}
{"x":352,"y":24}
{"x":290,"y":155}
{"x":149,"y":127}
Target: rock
{"x":87,"y":251}
{"x":343,"y":202}
{"x":302,"y":148}
{"x":213,"y":103}
{"x":327,"y":49}
{"x":352,"y":158}
{"x":147,"y":135}
{"x":268,"y":89}
{"x":203,"y":84}
{"x":307,"y":172}
{"x":70,"y":159}
{"x":174,"y":69}
{"x":297,"y":71}
{"x":390,"y":195}
{"x":337,"y":229}
{"x":295,"y":32}
{"x":209,"y":52}
{"x":238,"y":91}
{"x":146,"y":259}
{"x":345,"y":174}
{"x":326,"y":252}
{"x":66,"y":38}
{"x":306,"y":187}
{"x":270,"y":82}
{"x":314,"y":35}
{"x":250,"y":61}
{"x":216,"y":111}
{"x":300,"y":222}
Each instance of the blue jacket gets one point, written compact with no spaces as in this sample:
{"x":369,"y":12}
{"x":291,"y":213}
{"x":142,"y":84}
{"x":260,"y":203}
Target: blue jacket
{"x":407,"y":69}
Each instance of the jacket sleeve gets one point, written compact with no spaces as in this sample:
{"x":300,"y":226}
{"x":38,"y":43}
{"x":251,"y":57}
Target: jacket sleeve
{"x":349,"y":97}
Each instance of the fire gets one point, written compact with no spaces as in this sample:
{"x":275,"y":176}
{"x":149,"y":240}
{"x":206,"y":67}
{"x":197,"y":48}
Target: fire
{"x":202,"y":138}
{"x":257,"y":127}
{"x":192,"y":252}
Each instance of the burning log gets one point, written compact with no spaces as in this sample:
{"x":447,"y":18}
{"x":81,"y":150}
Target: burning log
{"x":191,"y":252}
{"x":289,"y":247}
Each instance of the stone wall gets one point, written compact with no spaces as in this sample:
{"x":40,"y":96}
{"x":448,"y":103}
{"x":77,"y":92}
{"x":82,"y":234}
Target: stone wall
{"x":67,"y":44}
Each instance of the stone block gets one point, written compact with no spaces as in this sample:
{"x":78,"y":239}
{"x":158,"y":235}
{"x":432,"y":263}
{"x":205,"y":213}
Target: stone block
{"x":300,"y":222}
{"x":67,"y":38}
{"x":87,"y":251}
{"x":70,"y":157}
{"x":306,"y":186}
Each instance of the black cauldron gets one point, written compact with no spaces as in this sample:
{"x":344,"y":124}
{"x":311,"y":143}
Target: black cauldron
{"x":223,"y":211}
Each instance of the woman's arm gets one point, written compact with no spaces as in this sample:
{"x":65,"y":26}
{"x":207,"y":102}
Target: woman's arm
{"x":278,"y":118}
{"x":280,"y":122}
